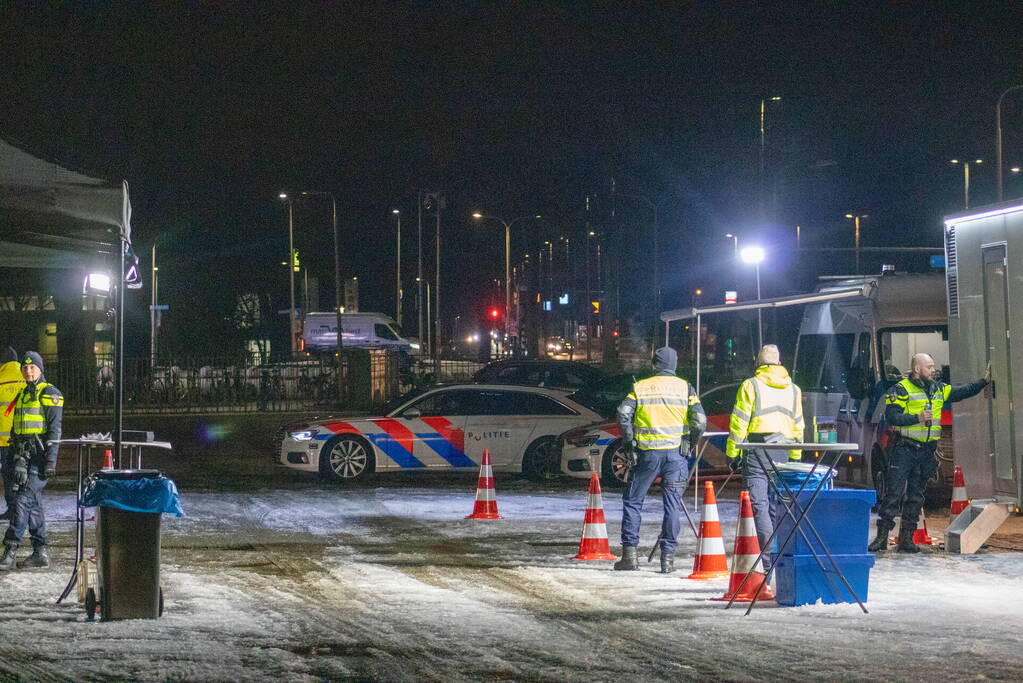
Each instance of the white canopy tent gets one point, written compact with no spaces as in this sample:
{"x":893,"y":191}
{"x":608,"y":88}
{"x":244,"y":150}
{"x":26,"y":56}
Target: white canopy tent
{"x":52,"y":217}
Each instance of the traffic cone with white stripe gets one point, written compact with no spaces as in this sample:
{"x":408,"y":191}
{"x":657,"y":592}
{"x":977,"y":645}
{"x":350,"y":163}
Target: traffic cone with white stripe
{"x":710,"y":562}
{"x":594,"y":545}
{"x":744,"y":559}
{"x":959,"y":500}
{"x":486,"y":496}
{"x":920,"y":535}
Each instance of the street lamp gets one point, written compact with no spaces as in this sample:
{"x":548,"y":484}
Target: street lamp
{"x":397,"y":292}
{"x":337,"y":268}
{"x":998,"y":135}
{"x":656,"y":260}
{"x":856,"y":222}
{"x":966,"y":178}
{"x":292,"y":323}
{"x":480,"y":216}
{"x":735,"y":241}
{"x":763,"y":143}
{"x":755,"y":255}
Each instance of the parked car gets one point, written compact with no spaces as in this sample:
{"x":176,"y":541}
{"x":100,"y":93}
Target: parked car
{"x":599,"y":447}
{"x":553,"y":374}
{"x":442,"y":428}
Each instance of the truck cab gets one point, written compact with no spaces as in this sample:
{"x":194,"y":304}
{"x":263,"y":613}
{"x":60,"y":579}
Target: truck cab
{"x":851,"y":351}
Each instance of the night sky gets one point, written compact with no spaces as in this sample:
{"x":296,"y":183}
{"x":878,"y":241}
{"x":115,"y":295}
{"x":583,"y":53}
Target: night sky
{"x":209,"y":111}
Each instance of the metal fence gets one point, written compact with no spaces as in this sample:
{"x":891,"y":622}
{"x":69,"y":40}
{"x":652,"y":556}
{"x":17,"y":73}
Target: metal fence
{"x":211,"y":384}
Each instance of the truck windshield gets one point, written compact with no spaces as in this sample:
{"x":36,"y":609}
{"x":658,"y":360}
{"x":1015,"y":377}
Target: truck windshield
{"x":384,"y":332}
{"x":822,"y":362}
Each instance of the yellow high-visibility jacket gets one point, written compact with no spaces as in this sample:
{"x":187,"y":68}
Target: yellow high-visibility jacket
{"x":767,"y":403}
{"x":11,"y":384}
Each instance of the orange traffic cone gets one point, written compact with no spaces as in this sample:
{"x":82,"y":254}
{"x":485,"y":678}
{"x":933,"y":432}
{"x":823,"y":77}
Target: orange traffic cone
{"x":959,"y":500}
{"x":108,"y":460}
{"x":920,"y":535}
{"x":744,"y":559}
{"x":486,"y":499}
{"x":710,"y":562}
{"x":593,"y":545}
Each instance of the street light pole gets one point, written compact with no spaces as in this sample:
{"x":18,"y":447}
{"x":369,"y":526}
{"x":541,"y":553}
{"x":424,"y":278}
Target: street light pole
{"x":966,"y":179}
{"x":755,"y":255}
{"x":656,"y":259}
{"x":292,"y":318}
{"x":397,"y":292}
{"x":856,"y":234}
{"x":998,"y":134}
{"x":763,"y":147}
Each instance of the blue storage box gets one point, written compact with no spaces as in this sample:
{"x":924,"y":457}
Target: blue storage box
{"x":841,"y":516}
{"x":800,"y":581}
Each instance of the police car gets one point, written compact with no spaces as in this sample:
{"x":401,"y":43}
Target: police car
{"x":442,"y":428}
{"x":598,"y":448}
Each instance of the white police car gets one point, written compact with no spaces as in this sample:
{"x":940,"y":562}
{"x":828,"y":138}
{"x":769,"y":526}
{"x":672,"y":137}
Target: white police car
{"x":443,"y":428}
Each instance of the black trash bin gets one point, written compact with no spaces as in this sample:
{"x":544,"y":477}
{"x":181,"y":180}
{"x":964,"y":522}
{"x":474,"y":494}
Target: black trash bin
{"x":128,"y":542}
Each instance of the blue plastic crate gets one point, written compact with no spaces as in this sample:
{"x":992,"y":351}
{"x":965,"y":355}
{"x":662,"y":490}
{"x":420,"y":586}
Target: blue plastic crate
{"x":800,"y":581}
{"x":841,"y":517}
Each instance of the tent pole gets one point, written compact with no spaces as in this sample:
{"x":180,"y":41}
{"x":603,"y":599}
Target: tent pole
{"x":119,"y":355}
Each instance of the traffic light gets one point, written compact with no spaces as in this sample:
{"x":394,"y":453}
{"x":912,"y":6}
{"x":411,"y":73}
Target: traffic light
{"x":495,"y":313}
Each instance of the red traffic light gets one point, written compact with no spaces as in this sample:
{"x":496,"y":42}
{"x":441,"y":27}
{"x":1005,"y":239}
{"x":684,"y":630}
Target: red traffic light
{"x":495,"y":313}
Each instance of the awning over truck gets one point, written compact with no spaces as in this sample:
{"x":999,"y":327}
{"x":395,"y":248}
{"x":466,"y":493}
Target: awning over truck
{"x":779,"y":302}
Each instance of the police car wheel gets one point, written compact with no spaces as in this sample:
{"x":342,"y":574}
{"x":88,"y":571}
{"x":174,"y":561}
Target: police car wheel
{"x":346,"y":458}
{"x":542,"y":462}
{"x":615,"y":466}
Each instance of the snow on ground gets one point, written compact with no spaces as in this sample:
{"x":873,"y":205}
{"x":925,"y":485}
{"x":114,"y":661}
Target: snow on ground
{"x":393,"y":583}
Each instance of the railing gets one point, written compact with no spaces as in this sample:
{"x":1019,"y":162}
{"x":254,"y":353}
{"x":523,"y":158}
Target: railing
{"x":195,"y":385}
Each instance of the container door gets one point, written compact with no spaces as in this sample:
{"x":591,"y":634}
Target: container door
{"x":996,"y":321}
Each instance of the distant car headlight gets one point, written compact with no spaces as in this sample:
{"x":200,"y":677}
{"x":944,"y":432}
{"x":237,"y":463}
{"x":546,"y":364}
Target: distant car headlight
{"x":415,"y":347}
{"x":304,"y":435}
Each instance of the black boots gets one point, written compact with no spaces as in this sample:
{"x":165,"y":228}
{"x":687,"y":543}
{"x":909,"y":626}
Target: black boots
{"x":906,"y":544}
{"x":880,"y":542}
{"x":8,"y":562}
{"x":629,"y":561}
{"x":667,"y":562}
{"x":38,"y":558}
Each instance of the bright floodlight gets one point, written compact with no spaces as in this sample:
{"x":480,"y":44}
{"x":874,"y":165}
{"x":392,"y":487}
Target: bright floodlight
{"x":752,"y":254}
{"x":97,"y":284}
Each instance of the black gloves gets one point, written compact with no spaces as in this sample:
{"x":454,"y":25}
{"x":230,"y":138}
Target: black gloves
{"x":20,"y":472}
{"x":735,"y":465}
{"x":48,"y":471}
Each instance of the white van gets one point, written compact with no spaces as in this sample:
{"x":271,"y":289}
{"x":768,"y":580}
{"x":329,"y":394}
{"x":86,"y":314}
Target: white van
{"x":358,"y":330}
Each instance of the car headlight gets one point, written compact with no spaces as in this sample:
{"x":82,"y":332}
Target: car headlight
{"x":304,"y":435}
{"x":415,"y":347}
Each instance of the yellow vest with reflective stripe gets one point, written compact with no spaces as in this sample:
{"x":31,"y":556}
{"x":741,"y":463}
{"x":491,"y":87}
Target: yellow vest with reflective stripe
{"x":662,"y":408}
{"x":914,"y":404}
{"x":28,"y":412}
{"x":11,"y":382}
{"x":775,"y":409}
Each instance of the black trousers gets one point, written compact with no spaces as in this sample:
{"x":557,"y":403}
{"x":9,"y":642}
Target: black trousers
{"x":910,"y":467}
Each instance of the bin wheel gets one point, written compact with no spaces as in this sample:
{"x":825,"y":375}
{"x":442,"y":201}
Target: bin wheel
{"x":160,"y":613}
{"x":90,"y":604}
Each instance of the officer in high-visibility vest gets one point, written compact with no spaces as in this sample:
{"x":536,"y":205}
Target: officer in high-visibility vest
{"x":35,"y":436}
{"x":11,"y":382}
{"x":768,"y":407}
{"x":913,"y":408}
{"x":659,"y":420}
